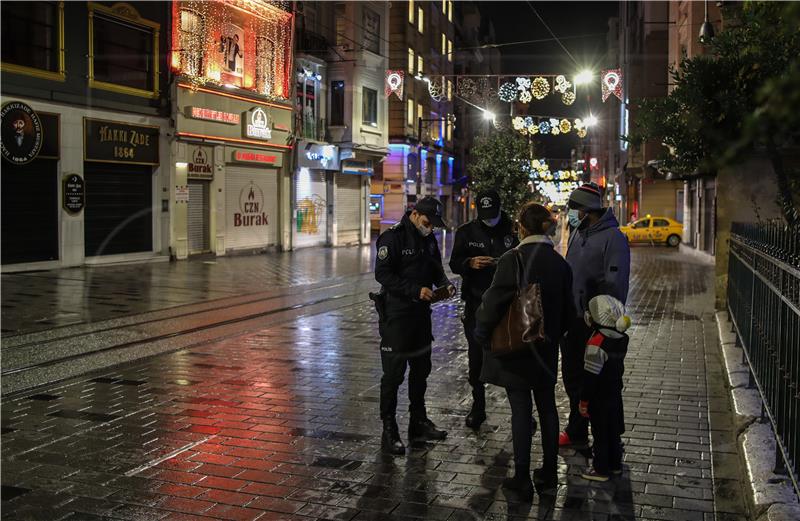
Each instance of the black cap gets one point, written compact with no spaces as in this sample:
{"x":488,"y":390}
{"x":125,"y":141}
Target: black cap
{"x":488,"y":204}
{"x":431,"y":208}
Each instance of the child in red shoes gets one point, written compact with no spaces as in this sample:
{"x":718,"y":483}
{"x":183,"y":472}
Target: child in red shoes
{"x":601,"y":397}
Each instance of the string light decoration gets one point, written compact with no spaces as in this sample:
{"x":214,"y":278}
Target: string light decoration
{"x":562,"y":85}
{"x":554,"y":185}
{"x":507,"y":92}
{"x":523,"y":86}
{"x":612,"y":83}
{"x":540,"y":88}
{"x":394,"y":83}
{"x":530,"y":126}
{"x":241,"y":43}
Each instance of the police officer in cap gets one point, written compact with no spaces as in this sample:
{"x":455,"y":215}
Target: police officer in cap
{"x":477,"y":246}
{"x":408,"y":266}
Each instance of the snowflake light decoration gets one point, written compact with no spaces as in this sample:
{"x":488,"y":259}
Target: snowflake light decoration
{"x":540,"y":88}
{"x":437,"y":90}
{"x":562,"y":85}
{"x":565,"y":126}
{"x":568,"y":98}
{"x":544,"y":127}
{"x":525,"y":96}
{"x":523,"y":83}
{"x":582,"y":133}
{"x":466,"y":88}
{"x":579,"y":124}
{"x":508,"y":92}
{"x":518,"y":123}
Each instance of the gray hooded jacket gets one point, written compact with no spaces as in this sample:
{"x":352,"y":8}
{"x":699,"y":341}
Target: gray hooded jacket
{"x":600,"y":259}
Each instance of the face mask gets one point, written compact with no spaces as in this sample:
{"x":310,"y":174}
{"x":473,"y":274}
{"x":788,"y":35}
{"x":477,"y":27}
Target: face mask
{"x":491,"y":223}
{"x":424,"y":230}
{"x":574,"y":220}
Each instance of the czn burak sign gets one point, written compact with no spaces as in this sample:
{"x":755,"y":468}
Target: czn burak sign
{"x":115,"y":142}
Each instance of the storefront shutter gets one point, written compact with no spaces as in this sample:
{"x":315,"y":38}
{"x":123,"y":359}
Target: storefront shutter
{"x":348,"y":208}
{"x":198,"y":216}
{"x":251,"y":207}
{"x":310,"y":208}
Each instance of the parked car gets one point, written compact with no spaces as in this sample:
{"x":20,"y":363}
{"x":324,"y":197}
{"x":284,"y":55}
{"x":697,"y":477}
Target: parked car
{"x":654,"y":229}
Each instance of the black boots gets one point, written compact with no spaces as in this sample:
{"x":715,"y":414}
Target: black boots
{"x":545,"y":480}
{"x":390,"y":440}
{"x":424,"y":430}
{"x":477,"y":415}
{"x":520,"y":484}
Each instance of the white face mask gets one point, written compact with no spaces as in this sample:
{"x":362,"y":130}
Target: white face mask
{"x":491,"y":223}
{"x":424,"y":230}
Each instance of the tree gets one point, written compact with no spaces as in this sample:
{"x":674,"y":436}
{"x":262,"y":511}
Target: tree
{"x":500,"y":161}
{"x":740,"y":97}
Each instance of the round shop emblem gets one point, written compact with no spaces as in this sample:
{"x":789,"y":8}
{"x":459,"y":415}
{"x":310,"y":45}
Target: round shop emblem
{"x":22,"y":134}
{"x":383,"y":253}
{"x":486,"y":202}
{"x":508,"y":241}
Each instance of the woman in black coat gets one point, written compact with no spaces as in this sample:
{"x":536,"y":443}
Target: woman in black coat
{"x":535,"y":371}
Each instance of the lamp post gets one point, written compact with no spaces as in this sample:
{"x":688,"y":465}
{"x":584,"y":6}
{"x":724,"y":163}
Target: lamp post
{"x":707,"y":29}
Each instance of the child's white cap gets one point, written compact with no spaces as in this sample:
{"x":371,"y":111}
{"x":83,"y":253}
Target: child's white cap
{"x":607,"y":311}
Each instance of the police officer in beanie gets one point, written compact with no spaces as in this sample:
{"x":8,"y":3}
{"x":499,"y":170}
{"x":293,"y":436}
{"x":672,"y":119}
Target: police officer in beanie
{"x":477,"y":246}
{"x":600,"y":258}
{"x":408,"y":266}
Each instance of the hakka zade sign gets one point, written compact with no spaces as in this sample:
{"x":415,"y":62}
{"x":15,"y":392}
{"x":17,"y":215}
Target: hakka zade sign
{"x":22,"y":134}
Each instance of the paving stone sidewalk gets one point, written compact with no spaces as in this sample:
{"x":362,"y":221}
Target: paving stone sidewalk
{"x":281,"y":424}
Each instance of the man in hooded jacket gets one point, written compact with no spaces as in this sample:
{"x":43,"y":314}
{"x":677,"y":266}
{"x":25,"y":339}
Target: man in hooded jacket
{"x":476,"y":248}
{"x":600,"y":258}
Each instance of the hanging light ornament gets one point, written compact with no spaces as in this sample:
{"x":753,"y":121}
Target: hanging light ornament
{"x":562,"y":85}
{"x":518,"y":123}
{"x":508,"y":92}
{"x":466,"y":88}
{"x":568,"y":98}
{"x":540,"y":88}
{"x":525,"y":96}
{"x":579,"y":124}
{"x":437,"y":90}
{"x":581,"y":133}
{"x":544,"y":127}
{"x":533,"y":128}
{"x":565,"y":126}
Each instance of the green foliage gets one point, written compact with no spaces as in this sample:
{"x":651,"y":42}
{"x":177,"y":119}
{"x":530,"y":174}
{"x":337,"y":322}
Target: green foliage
{"x":742,"y":95}
{"x":498,"y":162}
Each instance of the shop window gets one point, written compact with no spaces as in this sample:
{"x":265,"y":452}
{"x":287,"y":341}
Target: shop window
{"x":410,"y":112}
{"x":371,"y":22}
{"x":123,"y":51}
{"x":307,"y":106}
{"x":191,"y":41}
{"x":411,"y":12}
{"x":369,"y":107}
{"x":33,"y":39}
{"x":420,"y":20}
{"x":337,"y":103}
{"x":411,"y":60}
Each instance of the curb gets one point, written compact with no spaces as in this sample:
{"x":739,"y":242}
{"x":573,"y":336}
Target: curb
{"x":772,"y":497}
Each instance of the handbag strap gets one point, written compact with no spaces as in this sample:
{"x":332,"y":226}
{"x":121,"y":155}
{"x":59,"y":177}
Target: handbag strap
{"x":521,"y":276}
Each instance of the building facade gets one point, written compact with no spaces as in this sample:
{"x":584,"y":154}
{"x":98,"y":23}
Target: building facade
{"x":421,"y":119}
{"x":230,"y":173}
{"x":86,"y":154}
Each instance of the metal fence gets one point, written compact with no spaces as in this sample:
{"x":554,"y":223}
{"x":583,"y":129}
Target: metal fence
{"x":764,"y":304}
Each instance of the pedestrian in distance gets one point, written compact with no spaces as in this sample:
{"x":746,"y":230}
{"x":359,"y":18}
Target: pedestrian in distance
{"x":601,"y":392}
{"x":407,"y":266}
{"x":477,"y":247}
{"x":600,"y":258}
{"x":537,"y":370}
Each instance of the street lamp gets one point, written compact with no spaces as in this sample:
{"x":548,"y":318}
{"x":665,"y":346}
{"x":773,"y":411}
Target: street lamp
{"x":590,"y":121}
{"x":707,"y":29}
{"x":488,"y":115}
{"x":583,"y":77}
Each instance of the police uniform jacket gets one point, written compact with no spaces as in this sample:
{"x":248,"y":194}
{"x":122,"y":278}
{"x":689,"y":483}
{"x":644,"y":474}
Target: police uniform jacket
{"x":475,"y":239}
{"x":407,"y":262}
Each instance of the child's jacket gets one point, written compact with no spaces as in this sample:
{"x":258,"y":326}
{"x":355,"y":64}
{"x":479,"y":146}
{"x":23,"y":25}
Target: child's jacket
{"x":602,"y":362}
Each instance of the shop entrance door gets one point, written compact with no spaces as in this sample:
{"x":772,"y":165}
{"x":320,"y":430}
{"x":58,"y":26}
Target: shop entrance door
{"x":29,"y":212}
{"x":119,"y":209}
{"x":198,"y":217}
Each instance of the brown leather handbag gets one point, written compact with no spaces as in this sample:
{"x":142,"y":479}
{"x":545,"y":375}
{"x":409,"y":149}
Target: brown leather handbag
{"x":522,"y":327}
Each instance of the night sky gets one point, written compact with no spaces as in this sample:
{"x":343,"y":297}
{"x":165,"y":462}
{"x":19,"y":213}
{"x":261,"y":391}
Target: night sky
{"x":516,"y":21}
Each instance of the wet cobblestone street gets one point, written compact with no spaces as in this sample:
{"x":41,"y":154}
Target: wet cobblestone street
{"x":282,"y":424}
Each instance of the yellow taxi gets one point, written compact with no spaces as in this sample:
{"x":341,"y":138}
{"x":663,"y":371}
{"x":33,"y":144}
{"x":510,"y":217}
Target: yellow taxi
{"x":654,"y":229}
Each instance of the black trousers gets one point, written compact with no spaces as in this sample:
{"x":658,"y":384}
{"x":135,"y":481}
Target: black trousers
{"x":573,"y":347}
{"x":521,"y":426}
{"x":607,"y":419}
{"x":394,"y":370}
{"x":475,"y":354}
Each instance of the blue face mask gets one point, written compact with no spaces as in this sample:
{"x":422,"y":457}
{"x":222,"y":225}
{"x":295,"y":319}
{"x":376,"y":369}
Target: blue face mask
{"x":574,"y":220}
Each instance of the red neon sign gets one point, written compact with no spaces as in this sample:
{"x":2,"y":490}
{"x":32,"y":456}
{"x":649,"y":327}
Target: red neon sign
{"x":254,"y":157}
{"x":215,"y":115}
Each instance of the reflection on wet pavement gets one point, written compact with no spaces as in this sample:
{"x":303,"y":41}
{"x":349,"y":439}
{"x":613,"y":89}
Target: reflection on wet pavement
{"x":282,"y":424}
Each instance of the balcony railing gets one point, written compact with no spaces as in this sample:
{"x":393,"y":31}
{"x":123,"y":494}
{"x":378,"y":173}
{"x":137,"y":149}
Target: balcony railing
{"x":764,"y":304}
